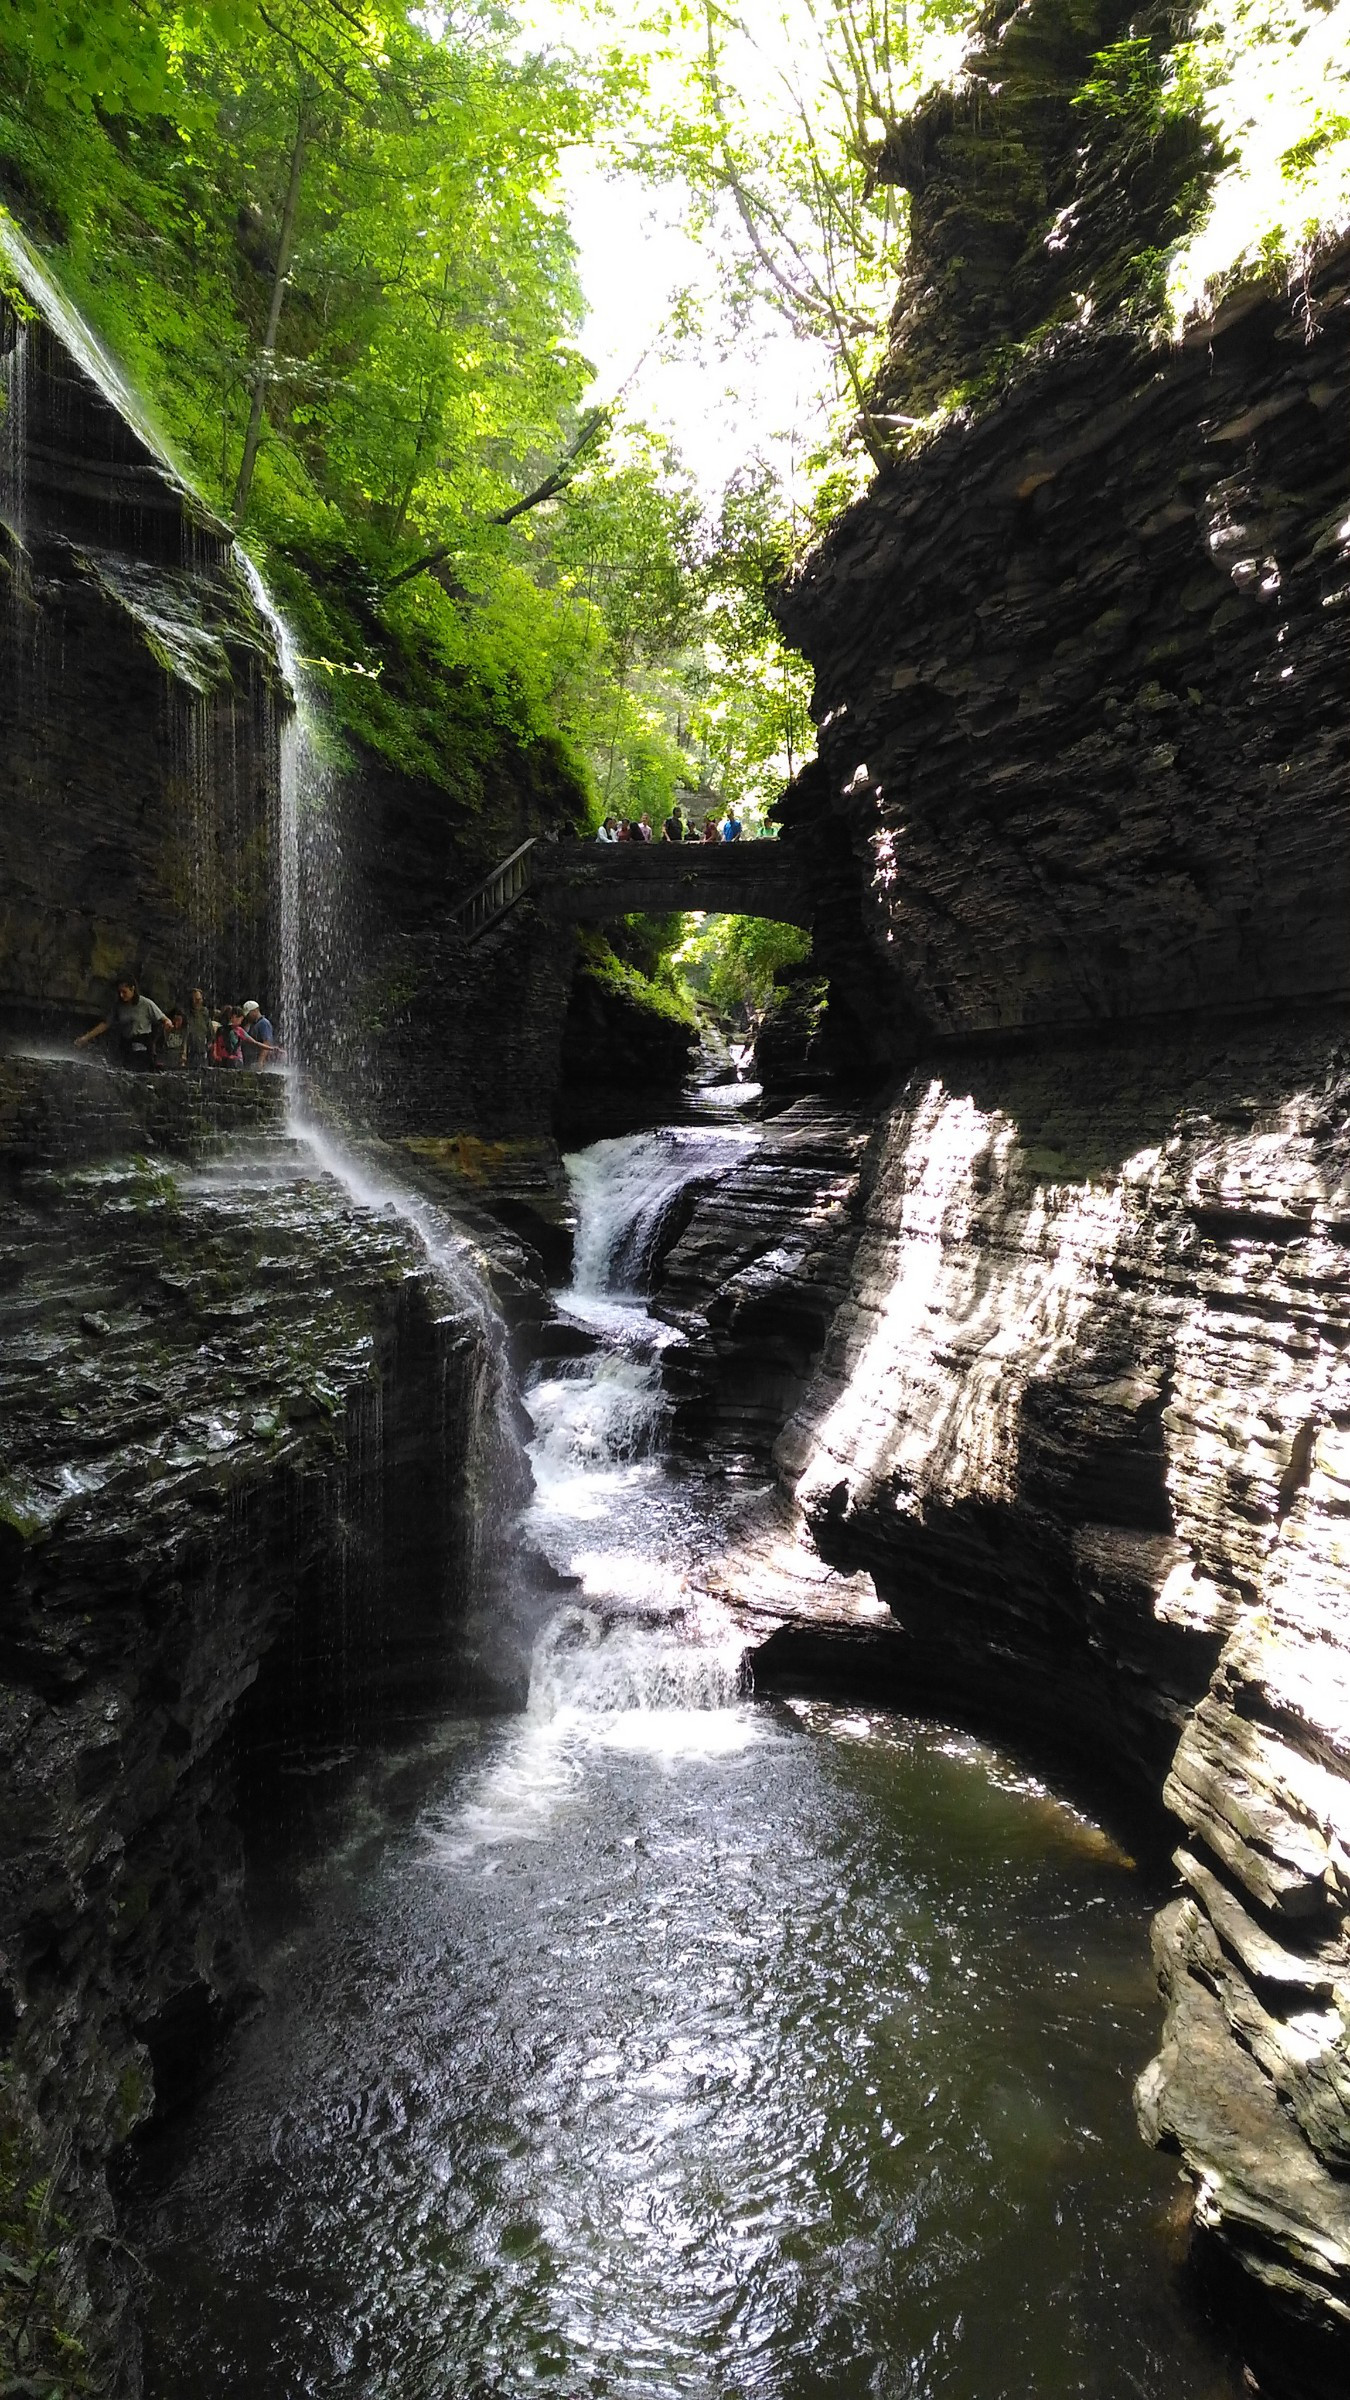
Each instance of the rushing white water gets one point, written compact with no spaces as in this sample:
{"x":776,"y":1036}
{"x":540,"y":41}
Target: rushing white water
{"x":639,"y":1659}
{"x":309,"y":910}
{"x":624,"y":1192}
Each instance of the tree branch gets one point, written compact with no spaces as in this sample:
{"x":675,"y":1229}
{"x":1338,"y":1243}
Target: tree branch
{"x":554,"y":482}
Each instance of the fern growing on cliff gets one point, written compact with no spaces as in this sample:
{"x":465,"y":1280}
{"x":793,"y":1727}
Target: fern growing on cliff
{"x":40,"y":2358}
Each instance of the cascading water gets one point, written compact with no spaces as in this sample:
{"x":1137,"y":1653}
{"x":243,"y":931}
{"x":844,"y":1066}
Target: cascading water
{"x":295,"y":751}
{"x":311,"y":917}
{"x":14,"y":430}
{"x":18,"y":619}
{"x":640,"y":1653}
{"x":77,"y":337}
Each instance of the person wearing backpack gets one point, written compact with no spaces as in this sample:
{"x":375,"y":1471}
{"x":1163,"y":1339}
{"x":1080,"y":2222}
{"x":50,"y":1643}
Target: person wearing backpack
{"x":227,"y":1049}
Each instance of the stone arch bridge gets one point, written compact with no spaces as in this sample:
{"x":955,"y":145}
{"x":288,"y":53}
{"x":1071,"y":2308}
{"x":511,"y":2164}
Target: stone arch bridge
{"x":588,"y":883}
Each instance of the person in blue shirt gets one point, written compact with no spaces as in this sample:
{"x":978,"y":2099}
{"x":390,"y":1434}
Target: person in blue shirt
{"x":259,"y":1039}
{"x":732,"y":829}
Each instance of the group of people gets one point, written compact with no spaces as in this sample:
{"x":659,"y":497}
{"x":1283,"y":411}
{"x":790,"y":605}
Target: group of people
{"x":639,"y":829}
{"x":144,"y":1036}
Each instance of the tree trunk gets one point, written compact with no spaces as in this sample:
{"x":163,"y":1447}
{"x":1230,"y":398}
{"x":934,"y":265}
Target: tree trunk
{"x":262,"y":371}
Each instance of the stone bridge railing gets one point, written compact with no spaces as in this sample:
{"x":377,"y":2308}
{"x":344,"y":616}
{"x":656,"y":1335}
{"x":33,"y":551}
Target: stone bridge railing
{"x":587,"y":883}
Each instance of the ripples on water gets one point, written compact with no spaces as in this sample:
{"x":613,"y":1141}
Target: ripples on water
{"x":686,"y":2051}
{"x":666,"y":2044}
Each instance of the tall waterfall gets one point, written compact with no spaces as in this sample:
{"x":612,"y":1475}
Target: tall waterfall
{"x":311,"y":916}
{"x":296,"y":763}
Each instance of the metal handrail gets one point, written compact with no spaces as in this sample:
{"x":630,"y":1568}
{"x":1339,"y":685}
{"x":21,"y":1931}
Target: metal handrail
{"x":497,"y":892}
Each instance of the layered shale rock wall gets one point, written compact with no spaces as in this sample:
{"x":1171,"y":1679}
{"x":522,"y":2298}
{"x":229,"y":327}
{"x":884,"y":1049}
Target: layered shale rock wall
{"x":1079,"y":831}
{"x":1081,"y":678}
{"x":254,"y":1434}
{"x":138,"y":696}
{"x":150,"y":747}
{"x":251,"y":1437}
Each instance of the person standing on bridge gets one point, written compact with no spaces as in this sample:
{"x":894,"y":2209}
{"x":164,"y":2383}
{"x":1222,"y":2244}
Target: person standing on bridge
{"x":644,"y":826}
{"x":710,"y":832}
{"x":733,"y":828}
{"x":673,"y":829}
{"x":607,"y":830}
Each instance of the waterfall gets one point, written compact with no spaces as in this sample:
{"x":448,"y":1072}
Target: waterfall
{"x":628,"y":1192}
{"x":311,"y":914}
{"x":588,"y":1665}
{"x":19,"y":620}
{"x":14,"y":436}
{"x":295,"y":756}
{"x":641,"y":1656}
{"x":78,"y":339}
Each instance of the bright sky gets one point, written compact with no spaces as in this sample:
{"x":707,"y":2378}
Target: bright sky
{"x":636,"y":258}
{"x":1279,"y":75}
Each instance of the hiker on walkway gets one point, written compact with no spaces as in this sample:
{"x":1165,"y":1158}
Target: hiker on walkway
{"x":644,"y":827}
{"x":673,"y":829}
{"x":259,"y":1039}
{"x":131,"y":1021}
{"x":608,"y":831}
{"x":710,"y":832}
{"x":733,"y":828}
{"x":227,"y":1047}
{"x":198,"y":1028}
{"x":171,"y":1040}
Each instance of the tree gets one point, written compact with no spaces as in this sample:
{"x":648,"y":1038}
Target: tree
{"x":624,"y":547}
{"x":751,"y":718}
{"x":782,"y":117}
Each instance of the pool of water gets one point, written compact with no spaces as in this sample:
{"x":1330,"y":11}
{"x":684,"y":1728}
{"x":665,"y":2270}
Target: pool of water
{"x":722,"y":2051}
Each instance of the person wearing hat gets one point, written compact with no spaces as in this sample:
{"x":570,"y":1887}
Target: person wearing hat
{"x":259,"y":1039}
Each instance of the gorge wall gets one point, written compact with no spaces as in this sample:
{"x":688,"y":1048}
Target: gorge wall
{"x":151,"y":744}
{"x":252,"y":1436}
{"x":138,"y":698}
{"x":1079,"y":830}
{"x":254,"y":1433}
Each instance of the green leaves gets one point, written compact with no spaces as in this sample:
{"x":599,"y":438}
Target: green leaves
{"x":776,"y":124}
{"x":328,"y":245}
{"x":39,"y":2358}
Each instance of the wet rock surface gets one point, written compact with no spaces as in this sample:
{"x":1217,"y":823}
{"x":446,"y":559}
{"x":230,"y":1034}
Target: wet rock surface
{"x":244,"y":1426}
{"x":754,"y":1281}
{"x":138,"y":700}
{"x":1081,"y":1418}
{"x":1077,"y":834}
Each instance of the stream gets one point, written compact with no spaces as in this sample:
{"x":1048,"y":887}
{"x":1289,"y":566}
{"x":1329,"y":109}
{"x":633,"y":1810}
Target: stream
{"x":664,"y":2040}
